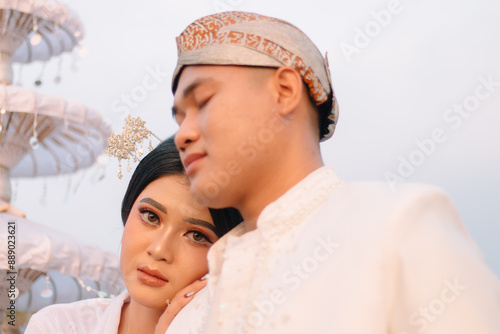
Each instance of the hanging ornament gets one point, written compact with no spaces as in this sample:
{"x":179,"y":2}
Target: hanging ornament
{"x":2,"y":112}
{"x":57,"y":79}
{"x":43,"y":198}
{"x":15,"y":187}
{"x":38,"y":81}
{"x":83,"y":51}
{"x":79,"y":178}
{"x":34,"y":139}
{"x":19,"y":75}
{"x":14,"y":295}
{"x":37,"y":36}
{"x":120,"y":175}
{"x":100,"y":293}
{"x":34,"y":142}
{"x":69,"y":182}
{"x":36,"y":39}
{"x":128,"y":144}
{"x":102,"y":159}
{"x":47,"y":292}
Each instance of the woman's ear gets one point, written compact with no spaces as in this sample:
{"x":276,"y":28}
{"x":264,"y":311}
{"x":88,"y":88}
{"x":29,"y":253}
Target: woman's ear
{"x":289,"y":87}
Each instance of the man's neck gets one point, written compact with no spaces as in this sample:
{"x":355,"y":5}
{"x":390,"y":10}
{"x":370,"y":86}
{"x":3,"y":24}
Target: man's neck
{"x":269,"y":191}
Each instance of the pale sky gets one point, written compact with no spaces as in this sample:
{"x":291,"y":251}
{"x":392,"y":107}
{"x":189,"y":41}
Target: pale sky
{"x":400,"y":70}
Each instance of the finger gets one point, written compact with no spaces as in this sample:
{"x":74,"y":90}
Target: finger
{"x":170,"y":313}
{"x":191,"y":289}
{"x":181,"y":299}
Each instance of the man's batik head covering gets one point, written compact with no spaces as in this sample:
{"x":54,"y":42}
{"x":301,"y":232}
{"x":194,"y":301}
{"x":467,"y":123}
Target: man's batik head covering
{"x":247,"y":39}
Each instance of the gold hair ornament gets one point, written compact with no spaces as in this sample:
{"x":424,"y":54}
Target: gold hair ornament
{"x":128,"y":144}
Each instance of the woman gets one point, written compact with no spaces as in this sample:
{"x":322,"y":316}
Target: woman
{"x":163,"y":258}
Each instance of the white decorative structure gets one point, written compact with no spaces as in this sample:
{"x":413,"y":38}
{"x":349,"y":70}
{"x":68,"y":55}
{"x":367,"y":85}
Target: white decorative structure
{"x":44,"y":135}
{"x":40,"y":249}
{"x":40,"y":135}
{"x":33,"y":30}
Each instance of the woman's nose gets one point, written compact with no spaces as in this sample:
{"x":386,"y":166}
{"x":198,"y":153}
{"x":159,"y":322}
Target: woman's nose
{"x":162,"y":246}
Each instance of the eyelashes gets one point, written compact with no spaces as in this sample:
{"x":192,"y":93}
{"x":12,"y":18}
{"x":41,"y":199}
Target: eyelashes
{"x":194,"y":236}
{"x":198,"y":237}
{"x":149,"y":217}
{"x":204,"y":103}
{"x":203,"y":97}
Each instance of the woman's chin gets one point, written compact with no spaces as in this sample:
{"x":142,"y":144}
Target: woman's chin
{"x":149,"y":299}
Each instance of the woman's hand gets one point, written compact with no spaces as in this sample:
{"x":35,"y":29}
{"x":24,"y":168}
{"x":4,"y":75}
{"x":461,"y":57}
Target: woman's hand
{"x":180,"y":300}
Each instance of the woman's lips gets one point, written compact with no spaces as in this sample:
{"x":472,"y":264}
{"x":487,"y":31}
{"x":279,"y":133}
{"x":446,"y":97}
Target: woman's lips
{"x":151,"y":277}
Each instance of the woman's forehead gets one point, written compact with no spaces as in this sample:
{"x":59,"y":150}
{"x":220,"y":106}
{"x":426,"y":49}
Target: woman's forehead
{"x":173,"y":192}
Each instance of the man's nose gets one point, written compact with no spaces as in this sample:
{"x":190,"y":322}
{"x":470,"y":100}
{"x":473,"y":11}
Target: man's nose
{"x":188,"y":133}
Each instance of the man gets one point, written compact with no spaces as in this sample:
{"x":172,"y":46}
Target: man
{"x":253,"y":99}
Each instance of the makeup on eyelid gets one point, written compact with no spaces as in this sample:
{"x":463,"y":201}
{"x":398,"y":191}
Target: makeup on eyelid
{"x":146,"y":212}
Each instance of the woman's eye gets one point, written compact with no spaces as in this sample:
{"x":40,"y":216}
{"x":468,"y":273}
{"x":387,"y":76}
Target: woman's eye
{"x":149,"y":217}
{"x":199,"y":238}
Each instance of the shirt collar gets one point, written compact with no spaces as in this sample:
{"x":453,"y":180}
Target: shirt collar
{"x":286,"y":212}
{"x":298,"y":202}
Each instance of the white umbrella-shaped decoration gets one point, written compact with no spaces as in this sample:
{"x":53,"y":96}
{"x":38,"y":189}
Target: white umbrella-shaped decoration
{"x":56,"y":288}
{"x":46,"y":135}
{"x":40,"y":249}
{"x":43,"y":134}
{"x":35,"y":30}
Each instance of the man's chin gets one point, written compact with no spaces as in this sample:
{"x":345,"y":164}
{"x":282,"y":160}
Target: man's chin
{"x":204,"y":200}
{"x":208,"y":196}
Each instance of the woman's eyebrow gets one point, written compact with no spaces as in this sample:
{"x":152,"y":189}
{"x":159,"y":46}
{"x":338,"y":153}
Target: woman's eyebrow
{"x":200,"y":222}
{"x":155,"y":204}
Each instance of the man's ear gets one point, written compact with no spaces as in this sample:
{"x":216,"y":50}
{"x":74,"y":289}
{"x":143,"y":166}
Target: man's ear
{"x":289,"y":88}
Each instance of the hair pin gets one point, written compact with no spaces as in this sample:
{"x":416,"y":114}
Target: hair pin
{"x":128,"y":144}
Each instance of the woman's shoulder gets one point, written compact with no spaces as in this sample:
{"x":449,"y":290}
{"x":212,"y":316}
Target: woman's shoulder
{"x":75,"y":308}
{"x":78,"y":317}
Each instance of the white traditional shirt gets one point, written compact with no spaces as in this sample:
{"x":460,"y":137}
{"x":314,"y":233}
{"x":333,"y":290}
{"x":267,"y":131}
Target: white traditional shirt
{"x":89,"y":316}
{"x":357,"y":258}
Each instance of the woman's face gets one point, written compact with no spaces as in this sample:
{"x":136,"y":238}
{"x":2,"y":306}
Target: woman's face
{"x":165,"y":241}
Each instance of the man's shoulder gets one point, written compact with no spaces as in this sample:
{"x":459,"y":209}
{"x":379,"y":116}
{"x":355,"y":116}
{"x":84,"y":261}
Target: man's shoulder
{"x":378,"y":205}
{"x":378,"y":192}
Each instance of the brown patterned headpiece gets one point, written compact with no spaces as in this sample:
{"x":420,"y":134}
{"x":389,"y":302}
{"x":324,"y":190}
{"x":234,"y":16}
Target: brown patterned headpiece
{"x":247,"y":39}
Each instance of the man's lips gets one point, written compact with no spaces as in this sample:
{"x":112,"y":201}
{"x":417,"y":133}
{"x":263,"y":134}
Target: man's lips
{"x":151,"y":277}
{"x":190,"y":159}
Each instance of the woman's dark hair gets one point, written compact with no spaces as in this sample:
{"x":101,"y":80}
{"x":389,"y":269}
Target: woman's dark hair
{"x":164,"y":160}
